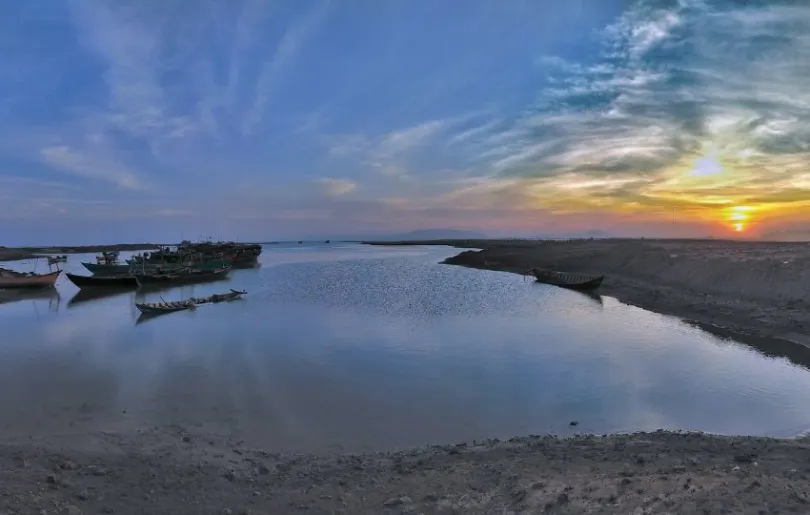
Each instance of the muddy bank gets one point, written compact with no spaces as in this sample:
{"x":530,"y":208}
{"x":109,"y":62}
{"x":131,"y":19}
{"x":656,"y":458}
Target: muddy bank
{"x":172,"y":471}
{"x":749,"y":288}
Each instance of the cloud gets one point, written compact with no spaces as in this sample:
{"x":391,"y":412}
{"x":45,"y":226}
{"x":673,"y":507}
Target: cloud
{"x":273,"y":69}
{"x":686,"y":101}
{"x":337,"y":187}
{"x":67,"y":159}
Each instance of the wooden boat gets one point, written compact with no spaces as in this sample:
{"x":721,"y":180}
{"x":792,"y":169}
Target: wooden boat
{"x":159,"y":308}
{"x":12,"y":279}
{"x":581,"y":282}
{"x":106,"y":269}
{"x":98,"y":281}
{"x":52,"y":260}
{"x":183,"y":276}
{"x":221,"y":297}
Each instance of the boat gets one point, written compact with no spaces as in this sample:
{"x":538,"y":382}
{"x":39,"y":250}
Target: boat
{"x":12,"y":279}
{"x":238,"y":255}
{"x":99,"y":281}
{"x":572,"y":281}
{"x":183,"y":276}
{"x":52,"y":260}
{"x":221,"y":297}
{"x":159,"y":308}
{"x":106,"y":269}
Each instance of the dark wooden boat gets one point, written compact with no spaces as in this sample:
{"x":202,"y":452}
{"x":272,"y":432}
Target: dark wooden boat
{"x":221,"y":297}
{"x":12,"y":279}
{"x":184,"y":276}
{"x":99,"y":281}
{"x":159,"y":308}
{"x":580,"y":282}
{"x":52,"y":260}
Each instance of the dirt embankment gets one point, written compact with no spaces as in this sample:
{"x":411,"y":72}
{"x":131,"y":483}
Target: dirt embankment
{"x":180,"y":473}
{"x":748,"y":288}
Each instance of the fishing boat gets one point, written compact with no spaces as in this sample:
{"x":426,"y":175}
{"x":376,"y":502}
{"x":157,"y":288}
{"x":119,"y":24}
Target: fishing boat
{"x":12,"y":279}
{"x":238,"y":255}
{"x":159,"y":308}
{"x":221,"y":297}
{"x":580,"y":282}
{"x":107,"y":264}
{"x":182,"y":276}
{"x":99,"y":281}
{"x":52,"y":260}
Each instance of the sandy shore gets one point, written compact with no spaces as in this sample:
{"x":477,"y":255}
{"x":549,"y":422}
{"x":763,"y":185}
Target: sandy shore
{"x":746,"y":288}
{"x":174,"y":472}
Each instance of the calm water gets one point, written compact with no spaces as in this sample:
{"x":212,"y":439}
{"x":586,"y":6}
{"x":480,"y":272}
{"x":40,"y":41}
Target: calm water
{"x":368,"y":347}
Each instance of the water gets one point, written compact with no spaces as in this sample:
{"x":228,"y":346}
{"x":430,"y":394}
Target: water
{"x":354,"y":347}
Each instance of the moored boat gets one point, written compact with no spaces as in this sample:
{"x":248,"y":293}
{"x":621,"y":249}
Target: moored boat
{"x":52,"y":260}
{"x":158,"y":308}
{"x":98,"y":281}
{"x":572,"y":281}
{"x":149,"y":309}
{"x":106,"y":269}
{"x":183,"y":276}
{"x":12,"y":279}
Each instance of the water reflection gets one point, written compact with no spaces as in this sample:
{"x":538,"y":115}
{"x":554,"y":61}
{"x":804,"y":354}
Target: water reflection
{"x":90,"y":294}
{"x":365,"y":348}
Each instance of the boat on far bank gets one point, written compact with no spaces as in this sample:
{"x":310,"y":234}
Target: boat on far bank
{"x":12,"y":279}
{"x":571,"y":281}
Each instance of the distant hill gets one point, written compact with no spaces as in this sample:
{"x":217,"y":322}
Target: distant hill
{"x":434,"y":234}
{"x":595,"y":233}
{"x":787,"y":235}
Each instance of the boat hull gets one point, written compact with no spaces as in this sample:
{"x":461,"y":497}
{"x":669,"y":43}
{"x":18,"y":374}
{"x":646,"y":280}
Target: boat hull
{"x":189,"y":276}
{"x":570,"y":281}
{"x":106,"y":270}
{"x":96,"y":281}
{"x":17,"y":280}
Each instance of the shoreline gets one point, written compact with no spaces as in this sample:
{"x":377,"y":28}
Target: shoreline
{"x":176,"y":472}
{"x":743,"y":290}
{"x":23,"y":253}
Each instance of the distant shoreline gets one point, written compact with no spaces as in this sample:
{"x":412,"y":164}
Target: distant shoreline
{"x":746,"y":290}
{"x":20,"y":253}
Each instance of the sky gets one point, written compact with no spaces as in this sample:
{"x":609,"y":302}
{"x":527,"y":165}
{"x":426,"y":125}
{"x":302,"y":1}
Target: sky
{"x":157,"y":120}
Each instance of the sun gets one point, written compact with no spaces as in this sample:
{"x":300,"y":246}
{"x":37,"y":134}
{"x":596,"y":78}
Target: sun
{"x":738,"y":216}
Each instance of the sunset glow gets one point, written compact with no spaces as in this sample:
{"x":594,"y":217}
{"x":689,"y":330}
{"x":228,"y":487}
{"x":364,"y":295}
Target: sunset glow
{"x":329,"y":119}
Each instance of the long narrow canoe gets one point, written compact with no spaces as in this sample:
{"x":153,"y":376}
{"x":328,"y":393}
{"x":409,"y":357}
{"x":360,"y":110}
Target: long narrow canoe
{"x":12,"y":279}
{"x":97,"y":281}
{"x":159,"y":308}
{"x":581,"y":282}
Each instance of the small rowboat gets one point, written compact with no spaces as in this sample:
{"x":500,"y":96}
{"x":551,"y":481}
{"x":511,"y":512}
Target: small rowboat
{"x":12,"y":279}
{"x":580,"y":282}
{"x":96,"y":281}
{"x":158,"y":308}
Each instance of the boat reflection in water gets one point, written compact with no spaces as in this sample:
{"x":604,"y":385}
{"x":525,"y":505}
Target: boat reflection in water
{"x":33,"y":294}
{"x":89,"y":294}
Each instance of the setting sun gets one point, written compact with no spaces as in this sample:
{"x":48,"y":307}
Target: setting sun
{"x":739,"y":227}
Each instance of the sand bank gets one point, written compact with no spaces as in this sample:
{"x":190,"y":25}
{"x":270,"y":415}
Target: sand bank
{"x":756,"y":289}
{"x":174,"y":472}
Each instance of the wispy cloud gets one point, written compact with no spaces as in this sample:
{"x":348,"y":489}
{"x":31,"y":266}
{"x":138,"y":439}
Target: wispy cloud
{"x":65,"y":158}
{"x":679,"y":89}
{"x":273,"y":69}
{"x":337,"y":187}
